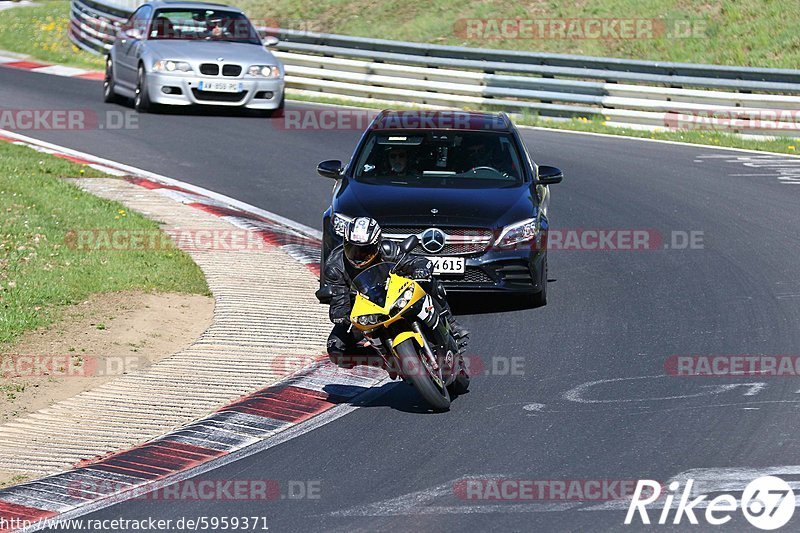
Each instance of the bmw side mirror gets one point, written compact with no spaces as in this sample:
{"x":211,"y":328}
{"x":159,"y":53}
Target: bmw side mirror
{"x":331,"y":168}
{"x":270,"y":41}
{"x":133,"y":33}
{"x":549,"y":175}
{"x":408,"y":244}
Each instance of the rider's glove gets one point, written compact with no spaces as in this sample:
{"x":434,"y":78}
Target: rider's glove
{"x":423,"y":271}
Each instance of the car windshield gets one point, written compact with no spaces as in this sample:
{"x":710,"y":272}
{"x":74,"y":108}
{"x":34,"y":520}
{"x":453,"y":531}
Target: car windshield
{"x":372,"y":283}
{"x":203,"y":24}
{"x":471,"y":159}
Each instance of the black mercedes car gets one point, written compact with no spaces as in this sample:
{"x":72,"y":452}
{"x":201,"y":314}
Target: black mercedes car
{"x":464,"y":183}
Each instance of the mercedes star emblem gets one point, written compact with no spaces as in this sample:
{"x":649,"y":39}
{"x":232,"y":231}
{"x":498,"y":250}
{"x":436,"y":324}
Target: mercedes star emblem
{"x":433,"y":240}
{"x":434,"y":210}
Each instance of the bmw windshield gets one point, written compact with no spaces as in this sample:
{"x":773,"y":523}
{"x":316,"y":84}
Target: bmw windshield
{"x":203,"y":24}
{"x":470,"y":159}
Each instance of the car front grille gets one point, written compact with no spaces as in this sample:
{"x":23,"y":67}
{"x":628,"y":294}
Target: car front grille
{"x":458,"y":241}
{"x":209,"y":69}
{"x":231,"y":70}
{"x":212,"y":69}
{"x":471,"y":275}
{"x":209,"y":96}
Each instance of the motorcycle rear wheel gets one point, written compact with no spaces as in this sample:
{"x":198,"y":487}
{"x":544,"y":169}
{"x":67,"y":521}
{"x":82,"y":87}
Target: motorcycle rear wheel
{"x":419,"y":375}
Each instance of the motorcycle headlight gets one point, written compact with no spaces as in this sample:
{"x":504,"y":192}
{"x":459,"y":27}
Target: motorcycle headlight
{"x":513,"y":234}
{"x":264,"y":71}
{"x":403,"y":300}
{"x":339,"y":223}
{"x":369,"y":320}
{"x":168,"y":65}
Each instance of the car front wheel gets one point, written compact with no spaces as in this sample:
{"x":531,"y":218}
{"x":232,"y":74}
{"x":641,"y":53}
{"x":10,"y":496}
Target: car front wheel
{"x":109,"y":96}
{"x":141,"y":100}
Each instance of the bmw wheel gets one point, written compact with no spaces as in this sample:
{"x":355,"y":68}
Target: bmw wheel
{"x":141,"y":101}
{"x":109,"y":96}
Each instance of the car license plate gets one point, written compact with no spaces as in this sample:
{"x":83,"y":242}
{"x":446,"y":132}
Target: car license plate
{"x":220,"y":86}
{"x":448,"y":265}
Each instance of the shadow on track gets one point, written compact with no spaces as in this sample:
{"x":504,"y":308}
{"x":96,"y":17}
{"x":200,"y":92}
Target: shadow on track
{"x":394,"y":395}
{"x":464,"y":303}
{"x":203,"y":111}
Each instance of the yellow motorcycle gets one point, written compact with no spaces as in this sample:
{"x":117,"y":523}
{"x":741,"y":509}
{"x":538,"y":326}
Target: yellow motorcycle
{"x":410,"y":331}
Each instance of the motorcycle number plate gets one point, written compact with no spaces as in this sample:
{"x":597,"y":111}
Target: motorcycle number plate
{"x":448,"y":265}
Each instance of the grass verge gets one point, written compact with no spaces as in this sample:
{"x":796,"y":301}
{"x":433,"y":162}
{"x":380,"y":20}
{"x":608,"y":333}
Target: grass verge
{"x":40,"y":273}
{"x":41,"y":32}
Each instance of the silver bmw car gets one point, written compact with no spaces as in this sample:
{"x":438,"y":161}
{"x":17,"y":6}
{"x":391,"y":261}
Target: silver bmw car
{"x":193,"y":53}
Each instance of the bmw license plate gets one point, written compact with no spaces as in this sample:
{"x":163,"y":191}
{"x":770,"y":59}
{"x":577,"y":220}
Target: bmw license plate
{"x":448,"y":265}
{"x":220,"y":86}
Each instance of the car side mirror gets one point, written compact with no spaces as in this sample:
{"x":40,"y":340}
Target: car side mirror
{"x":332,"y":168}
{"x":409,"y":243}
{"x":270,"y":41}
{"x":549,"y":175}
{"x":133,"y":33}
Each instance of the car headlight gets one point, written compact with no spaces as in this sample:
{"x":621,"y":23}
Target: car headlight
{"x":403,"y":300}
{"x":339,"y":223}
{"x":513,"y":234}
{"x":264,"y":71}
{"x":168,"y":65}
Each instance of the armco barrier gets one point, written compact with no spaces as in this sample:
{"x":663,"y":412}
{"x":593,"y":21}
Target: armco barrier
{"x":622,"y":92}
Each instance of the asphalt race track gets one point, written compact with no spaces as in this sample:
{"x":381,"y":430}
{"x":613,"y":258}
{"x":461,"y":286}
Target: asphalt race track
{"x":588,"y":399}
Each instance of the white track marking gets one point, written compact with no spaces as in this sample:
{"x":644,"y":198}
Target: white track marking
{"x":59,"y":70}
{"x":576,"y":394}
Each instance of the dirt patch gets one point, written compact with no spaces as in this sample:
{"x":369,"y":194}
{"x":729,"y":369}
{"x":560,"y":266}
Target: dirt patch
{"x":8,"y":479}
{"x":94,"y":342}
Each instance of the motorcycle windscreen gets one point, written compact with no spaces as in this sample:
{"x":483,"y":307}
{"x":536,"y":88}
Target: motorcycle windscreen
{"x":374,"y":282}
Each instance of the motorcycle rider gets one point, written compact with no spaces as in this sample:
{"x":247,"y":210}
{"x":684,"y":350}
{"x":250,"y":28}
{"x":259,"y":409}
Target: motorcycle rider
{"x":363,"y":247}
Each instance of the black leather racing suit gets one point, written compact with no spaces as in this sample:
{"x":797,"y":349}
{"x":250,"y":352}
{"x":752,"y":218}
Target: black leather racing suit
{"x":339,"y":274}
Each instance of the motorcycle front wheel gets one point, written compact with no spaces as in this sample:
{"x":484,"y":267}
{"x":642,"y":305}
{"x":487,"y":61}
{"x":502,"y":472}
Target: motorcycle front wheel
{"x":420,"y":375}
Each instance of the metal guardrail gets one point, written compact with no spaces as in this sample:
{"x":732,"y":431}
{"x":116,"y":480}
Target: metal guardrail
{"x":623,"y":92}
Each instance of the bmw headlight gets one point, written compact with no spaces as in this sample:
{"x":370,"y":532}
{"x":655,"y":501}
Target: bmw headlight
{"x":339,"y":223}
{"x":168,"y":65}
{"x":513,"y":234}
{"x":264,"y":71}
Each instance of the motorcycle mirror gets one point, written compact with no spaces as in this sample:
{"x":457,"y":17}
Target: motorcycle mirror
{"x":409,"y":243}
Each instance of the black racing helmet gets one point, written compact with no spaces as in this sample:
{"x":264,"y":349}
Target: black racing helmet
{"x":362,"y":241}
